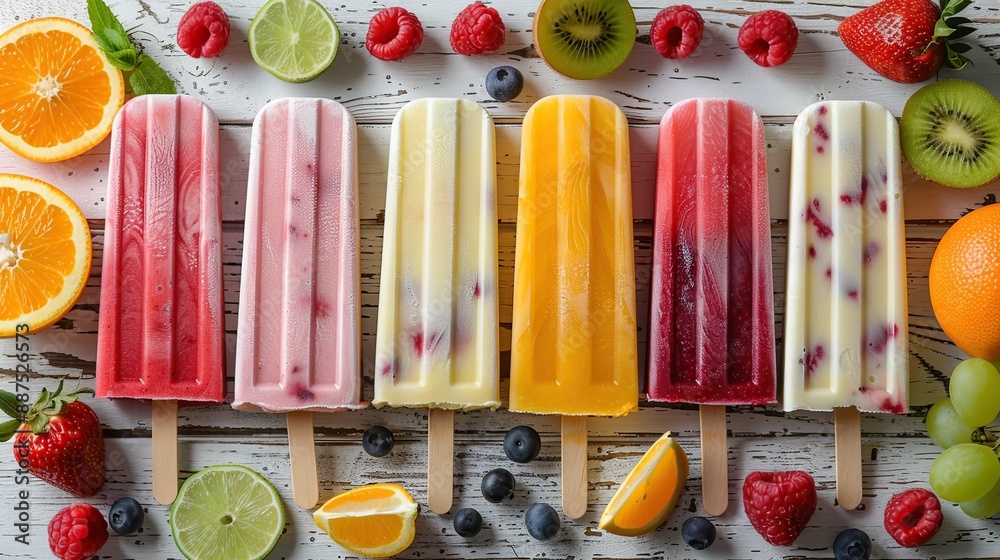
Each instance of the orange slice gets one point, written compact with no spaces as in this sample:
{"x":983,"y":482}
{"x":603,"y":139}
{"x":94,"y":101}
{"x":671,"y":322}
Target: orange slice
{"x":58,"y":92}
{"x":650,"y":492}
{"x":45,"y":254}
{"x":378,"y":520}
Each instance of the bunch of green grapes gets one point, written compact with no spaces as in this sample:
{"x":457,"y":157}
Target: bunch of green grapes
{"x":968,"y":472}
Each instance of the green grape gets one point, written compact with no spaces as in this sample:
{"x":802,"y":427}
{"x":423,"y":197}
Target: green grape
{"x":946,"y":427}
{"x":975,"y":391}
{"x":987,"y":506}
{"x":964,"y":472}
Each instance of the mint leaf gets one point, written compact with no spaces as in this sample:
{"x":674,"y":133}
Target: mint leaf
{"x":8,"y":404}
{"x":8,"y":429}
{"x":113,"y":40}
{"x":111,"y":36}
{"x":123,"y":60}
{"x":149,"y":78}
{"x":118,"y":48}
{"x":102,"y":19}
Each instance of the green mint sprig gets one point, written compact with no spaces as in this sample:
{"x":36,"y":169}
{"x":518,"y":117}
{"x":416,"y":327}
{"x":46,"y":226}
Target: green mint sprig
{"x":145,"y":75}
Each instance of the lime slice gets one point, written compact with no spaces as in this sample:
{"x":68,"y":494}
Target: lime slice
{"x":296,"y":40}
{"x":226,"y":512}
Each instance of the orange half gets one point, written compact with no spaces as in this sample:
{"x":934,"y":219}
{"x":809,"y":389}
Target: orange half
{"x":45,"y":254}
{"x":378,"y":520}
{"x":650,"y":492}
{"x":58,"y":92}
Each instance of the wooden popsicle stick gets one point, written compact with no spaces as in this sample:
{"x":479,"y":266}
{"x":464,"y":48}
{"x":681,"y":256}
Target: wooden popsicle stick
{"x":847,"y":423}
{"x":302,"y":452}
{"x":440,"y":459}
{"x":714,"y":459}
{"x":164,"y":422}
{"x":574,"y":466}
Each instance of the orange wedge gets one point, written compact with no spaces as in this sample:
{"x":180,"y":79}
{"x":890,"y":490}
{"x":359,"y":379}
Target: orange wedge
{"x":45,"y":254}
{"x":58,"y":92}
{"x":378,"y":520}
{"x":650,"y":492}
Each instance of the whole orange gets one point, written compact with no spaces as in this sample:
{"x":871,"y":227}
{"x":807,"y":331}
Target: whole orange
{"x":965,"y":283}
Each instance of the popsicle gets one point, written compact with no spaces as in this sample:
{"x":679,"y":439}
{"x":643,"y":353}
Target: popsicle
{"x":711,"y":333}
{"x":573,"y":348}
{"x":298,"y":347}
{"x":160,"y":335}
{"x":846,"y":317}
{"x":436,"y":343}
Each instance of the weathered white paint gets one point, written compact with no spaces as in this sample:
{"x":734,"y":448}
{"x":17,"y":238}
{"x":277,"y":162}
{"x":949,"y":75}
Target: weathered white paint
{"x":644,"y":86}
{"x":896,"y":450}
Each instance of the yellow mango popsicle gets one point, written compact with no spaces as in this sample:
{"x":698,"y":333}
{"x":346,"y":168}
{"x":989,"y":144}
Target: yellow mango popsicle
{"x":573,"y":349}
{"x":574,"y":346}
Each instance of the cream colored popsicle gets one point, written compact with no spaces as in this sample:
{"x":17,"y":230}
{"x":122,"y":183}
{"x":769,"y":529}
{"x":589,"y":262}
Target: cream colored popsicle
{"x":436,"y":344}
{"x":573,"y":348}
{"x":298,"y":343}
{"x":846,"y":315}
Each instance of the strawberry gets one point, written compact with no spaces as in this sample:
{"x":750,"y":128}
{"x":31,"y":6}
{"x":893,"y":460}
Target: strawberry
{"x":58,"y":439}
{"x":779,"y":504}
{"x":908,"y":40}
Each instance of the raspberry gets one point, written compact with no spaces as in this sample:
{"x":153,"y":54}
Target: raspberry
{"x":769,"y":38}
{"x":779,"y":504}
{"x":677,"y":31}
{"x":203,"y":30}
{"x":912,"y":517}
{"x":477,"y":29}
{"x":77,"y":532}
{"x":394,"y":34}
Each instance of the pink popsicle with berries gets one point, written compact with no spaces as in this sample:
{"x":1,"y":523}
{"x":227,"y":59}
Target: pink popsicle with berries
{"x":298,"y":347}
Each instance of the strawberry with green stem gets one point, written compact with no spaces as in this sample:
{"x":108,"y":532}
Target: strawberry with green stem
{"x":908,"y":40}
{"x":59,"y":438}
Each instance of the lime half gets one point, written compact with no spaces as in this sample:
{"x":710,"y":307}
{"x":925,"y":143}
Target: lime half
{"x":296,"y":40}
{"x":226,"y":512}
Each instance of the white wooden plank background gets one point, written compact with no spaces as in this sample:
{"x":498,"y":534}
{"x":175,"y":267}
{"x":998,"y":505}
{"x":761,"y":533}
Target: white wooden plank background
{"x":896,"y":450}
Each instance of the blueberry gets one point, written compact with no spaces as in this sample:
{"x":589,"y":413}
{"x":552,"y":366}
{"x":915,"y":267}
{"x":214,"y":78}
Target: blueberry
{"x":698,"y":532}
{"x":852,"y":544}
{"x":522,"y":444}
{"x":504,"y":83}
{"x":126,"y":516}
{"x":377,"y":441}
{"x":542,"y":522}
{"x":498,"y":485}
{"x":468,"y":522}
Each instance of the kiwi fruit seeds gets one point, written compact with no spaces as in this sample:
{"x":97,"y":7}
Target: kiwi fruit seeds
{"x":584,"y":39}
{"x":950,"y":132}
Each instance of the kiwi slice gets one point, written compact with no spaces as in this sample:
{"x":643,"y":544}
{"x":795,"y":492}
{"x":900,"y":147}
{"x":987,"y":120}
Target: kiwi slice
{"x":584,"y":39}
{"x":950,"y":132}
